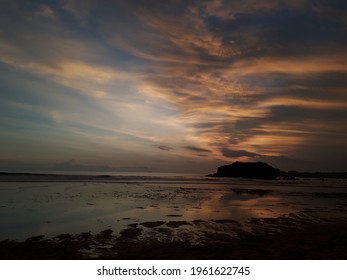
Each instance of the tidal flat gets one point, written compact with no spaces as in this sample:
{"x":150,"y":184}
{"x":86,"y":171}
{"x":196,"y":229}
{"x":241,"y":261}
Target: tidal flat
{"x":172,"y":218}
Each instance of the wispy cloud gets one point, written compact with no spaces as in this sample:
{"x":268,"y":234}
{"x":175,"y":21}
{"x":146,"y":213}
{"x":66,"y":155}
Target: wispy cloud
{"x":238,"y":153}
{"x":197,"y":149}
{"x":164,"y":148}
{"x":218,"y":80}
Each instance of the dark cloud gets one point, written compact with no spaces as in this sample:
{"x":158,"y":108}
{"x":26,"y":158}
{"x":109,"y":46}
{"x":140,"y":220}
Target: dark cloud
{"x":202,"y":155}
{"x":283,"y":30}
{"x":164,"y":148}
{"x":297,"y":114}
{"x":238,"y":153}
{"x":197,"y":149}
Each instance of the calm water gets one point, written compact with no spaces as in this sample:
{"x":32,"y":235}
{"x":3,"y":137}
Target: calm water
{"x":54,"y":207}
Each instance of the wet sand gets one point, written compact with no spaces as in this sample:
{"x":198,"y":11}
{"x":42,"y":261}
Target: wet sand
{"x":173,"y":219}
{"x":273,"y":238}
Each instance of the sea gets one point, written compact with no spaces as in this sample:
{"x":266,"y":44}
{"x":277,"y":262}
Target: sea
{"x":56,"y":203}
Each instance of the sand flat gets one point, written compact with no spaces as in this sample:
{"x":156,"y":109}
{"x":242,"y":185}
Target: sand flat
{"x":99,"y":218}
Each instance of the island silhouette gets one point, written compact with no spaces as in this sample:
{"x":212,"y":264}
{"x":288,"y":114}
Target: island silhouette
{"x":262,"y":170}
{"x":251,"y":170}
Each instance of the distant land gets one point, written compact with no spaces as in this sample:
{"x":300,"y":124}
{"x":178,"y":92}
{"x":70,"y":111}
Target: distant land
{"x":251,"y":170}
{"x":261,"y":170}
{"x":26,"y":176}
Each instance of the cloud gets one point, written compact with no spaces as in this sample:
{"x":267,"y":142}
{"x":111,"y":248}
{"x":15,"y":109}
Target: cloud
{"x":301,"y":66}
{"x":164,"y":148}
{"x":260,"y":87}
{"x":238,"y":153}
{"x":197,"y":149}
{"x":74,"y":74}
{"x":46,"y":11}
{"x":266,"y":78}
{"x":79,"y":9}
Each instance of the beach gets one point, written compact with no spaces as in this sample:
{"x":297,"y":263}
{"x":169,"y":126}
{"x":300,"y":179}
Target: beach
{"x":171,"y":217}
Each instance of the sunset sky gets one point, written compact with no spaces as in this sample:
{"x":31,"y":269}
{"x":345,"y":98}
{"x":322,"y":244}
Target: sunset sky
{"x":172,"y":86}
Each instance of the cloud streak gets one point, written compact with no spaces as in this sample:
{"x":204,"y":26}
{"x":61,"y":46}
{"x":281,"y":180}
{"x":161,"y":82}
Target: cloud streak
{"x":218,"y":80}
{"x":197,"y":149}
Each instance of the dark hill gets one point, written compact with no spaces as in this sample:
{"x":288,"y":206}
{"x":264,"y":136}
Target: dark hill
{"x":252,"y":170}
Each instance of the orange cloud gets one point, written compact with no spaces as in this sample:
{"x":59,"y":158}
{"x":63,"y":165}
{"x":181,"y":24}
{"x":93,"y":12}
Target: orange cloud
{"x":308,"y":103}
{"x":296,"y":66}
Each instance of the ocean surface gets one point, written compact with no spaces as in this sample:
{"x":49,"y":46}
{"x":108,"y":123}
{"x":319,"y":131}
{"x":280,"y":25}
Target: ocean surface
{"x":32,"y":205}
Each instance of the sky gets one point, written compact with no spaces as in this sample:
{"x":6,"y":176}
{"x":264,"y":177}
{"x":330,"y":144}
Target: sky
{"x":172,"y":86}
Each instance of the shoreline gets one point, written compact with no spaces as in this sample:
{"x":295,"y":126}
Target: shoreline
{"x":100,"y":176}
{"x":282,"y":238}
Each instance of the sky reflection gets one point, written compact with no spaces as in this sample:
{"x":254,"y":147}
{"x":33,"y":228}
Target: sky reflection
{"x":35,"y":208}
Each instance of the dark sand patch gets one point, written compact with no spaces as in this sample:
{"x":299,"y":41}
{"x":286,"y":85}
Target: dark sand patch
{"x":175,"y":224}
{"x":226,"y":221}
{"x":152,"y":224}
{"x":164,"y":230}
{"x":259,"y":192}
{"x":198,"y":221}
{"x":85,"y":235}
{"x":107,"y":233}
{"x":35,"y":238}
{"x":273,"y":238}
{"x":134,"y":225}
{"x":129,"y":233}
{"x":173,"y":215}
{"x":62,"y":236}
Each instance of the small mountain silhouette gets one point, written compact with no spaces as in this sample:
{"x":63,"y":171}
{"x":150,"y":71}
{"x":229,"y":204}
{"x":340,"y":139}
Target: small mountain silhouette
{"x":252,"y":170}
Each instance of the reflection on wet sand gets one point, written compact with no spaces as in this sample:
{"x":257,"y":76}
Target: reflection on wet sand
{"x":270,"y":238}
{"x":97,"y":218}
